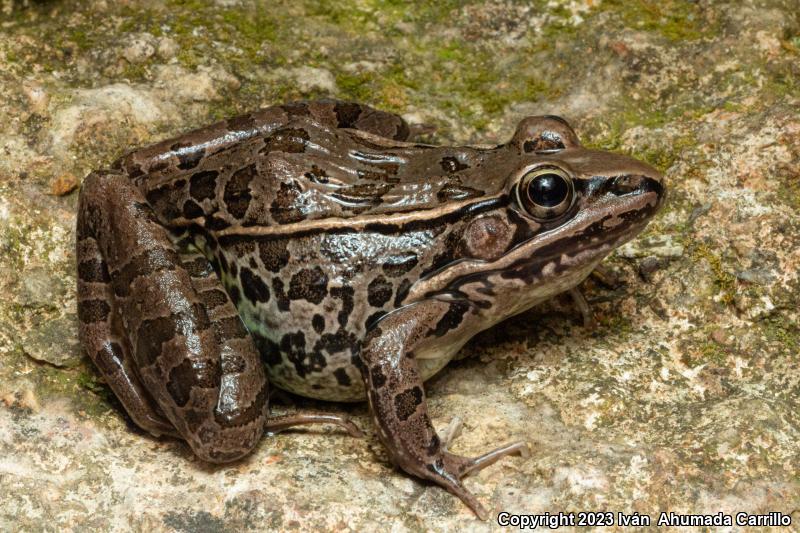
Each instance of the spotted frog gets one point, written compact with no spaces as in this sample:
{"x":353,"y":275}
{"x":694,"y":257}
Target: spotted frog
{"x":311,"y":246}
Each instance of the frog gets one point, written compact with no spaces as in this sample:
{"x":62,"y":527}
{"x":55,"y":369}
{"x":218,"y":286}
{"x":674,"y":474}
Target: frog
{"x":314,"y":246}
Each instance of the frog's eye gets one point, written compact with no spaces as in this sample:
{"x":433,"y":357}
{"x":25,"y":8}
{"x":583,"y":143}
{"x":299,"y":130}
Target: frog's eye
{"x":545,"y":193}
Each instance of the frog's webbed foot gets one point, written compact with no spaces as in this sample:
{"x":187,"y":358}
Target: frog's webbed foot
{"x":398,"y":405}
{"x":464,"y":466}
{"x":449,"y":470}
{"x":279,"y":423}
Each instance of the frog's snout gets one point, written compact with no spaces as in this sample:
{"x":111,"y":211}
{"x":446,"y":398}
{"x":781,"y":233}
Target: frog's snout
{"x":639,"y":183}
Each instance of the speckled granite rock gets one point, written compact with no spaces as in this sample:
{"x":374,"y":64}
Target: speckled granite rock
{"x":684,"y":398}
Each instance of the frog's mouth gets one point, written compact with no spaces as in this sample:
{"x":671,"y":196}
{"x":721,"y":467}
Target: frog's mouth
{"x":560,"y":257}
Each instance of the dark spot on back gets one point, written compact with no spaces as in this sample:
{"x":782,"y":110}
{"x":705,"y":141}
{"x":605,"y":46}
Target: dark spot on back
{"x":215,"y":223}
{"x":402,"y":292}
{"x":241,"y":123}
{"x":288,"y":140}
{"x":274,"y":254}
{"x":237,"y":191}
{"x":400,"y":264}
{"x":379,"y":292}
{"x":309,"y":284}
{"x":316,"y":175}
{"x":347,"y":114}
{"x":164,"y":200}
{"x":402,"y":131}
{"x":202,"y":185}
{"x":192,"y":210}
{"x":253,"y":286}
{"x":296,"y":109}
{"x":280,"y":296}
{"x":190,"y":159}
{"x":285,"y":209}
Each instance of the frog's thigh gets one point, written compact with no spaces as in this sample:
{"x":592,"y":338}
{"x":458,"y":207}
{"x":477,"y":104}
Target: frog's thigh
{"x":206,"y":378}
{"x":104,"y":340}
{"x":397,"y":398}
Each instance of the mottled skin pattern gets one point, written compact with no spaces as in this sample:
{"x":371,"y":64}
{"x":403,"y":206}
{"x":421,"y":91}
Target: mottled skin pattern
{"x":311,"y":240}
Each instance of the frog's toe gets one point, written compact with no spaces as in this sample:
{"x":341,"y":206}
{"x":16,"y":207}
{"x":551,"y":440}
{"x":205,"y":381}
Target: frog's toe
{"x":279,"y":423}
{"x":448,"y":470}
{"x":455,"y":488}
{"x":452,"y":431}
{"x":583,"y":307}
{"x":464,"y":466}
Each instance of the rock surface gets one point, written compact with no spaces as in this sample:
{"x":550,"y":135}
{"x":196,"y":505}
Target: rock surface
{"x":685,"y":398}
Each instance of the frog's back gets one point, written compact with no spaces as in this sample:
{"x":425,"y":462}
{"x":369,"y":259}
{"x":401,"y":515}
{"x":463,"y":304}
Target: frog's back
{"x":316,"y":231}
{"x":305,"y":171}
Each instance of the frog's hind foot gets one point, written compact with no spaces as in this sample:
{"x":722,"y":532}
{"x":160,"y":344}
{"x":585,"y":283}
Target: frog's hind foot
{"x":280,"y":423}
{"x":449,"y":469}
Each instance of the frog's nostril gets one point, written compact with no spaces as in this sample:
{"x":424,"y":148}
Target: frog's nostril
{"x":636,"y":183}
{"x":627,"y":184}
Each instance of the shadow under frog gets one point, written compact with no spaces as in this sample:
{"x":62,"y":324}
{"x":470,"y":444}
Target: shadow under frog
{"x":309,"y":245}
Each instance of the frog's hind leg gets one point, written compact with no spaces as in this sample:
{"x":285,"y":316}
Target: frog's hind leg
{"x":225,"y":319}
{"x":397,"y":398}
{"x":206,"y":379}
{"x":103,"y":338}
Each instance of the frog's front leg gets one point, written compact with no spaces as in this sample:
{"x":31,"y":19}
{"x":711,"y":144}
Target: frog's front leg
{"x":397,"y":400}
{"x":164,"y":332}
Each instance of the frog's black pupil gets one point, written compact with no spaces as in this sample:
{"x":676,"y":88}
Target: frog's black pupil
{"x":548,"y":190}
